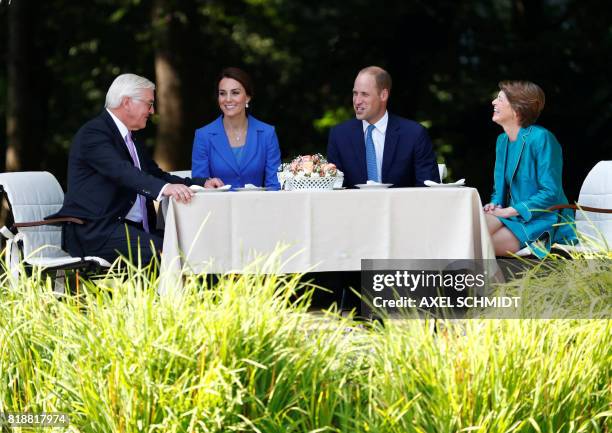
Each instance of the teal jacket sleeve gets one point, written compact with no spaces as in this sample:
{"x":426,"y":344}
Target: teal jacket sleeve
{"x":546,"y":152}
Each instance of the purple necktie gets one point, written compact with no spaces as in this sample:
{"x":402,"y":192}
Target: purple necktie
{"x":141,"y":200}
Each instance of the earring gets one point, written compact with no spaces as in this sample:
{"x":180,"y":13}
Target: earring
{"x":247,"y":105}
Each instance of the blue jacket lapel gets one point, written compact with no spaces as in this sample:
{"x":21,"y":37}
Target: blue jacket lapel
{"x":358,"y":145}
{"x":220,"y":144}
{"x":391,"y":139}
{"x":253,"y":141}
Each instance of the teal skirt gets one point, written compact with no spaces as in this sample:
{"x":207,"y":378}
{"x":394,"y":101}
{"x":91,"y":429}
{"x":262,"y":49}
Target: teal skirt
{"x":541,"y":232}
{"x":517,"y":228}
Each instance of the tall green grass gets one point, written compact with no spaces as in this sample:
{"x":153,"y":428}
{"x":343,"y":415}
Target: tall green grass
{"x":246,"y":355}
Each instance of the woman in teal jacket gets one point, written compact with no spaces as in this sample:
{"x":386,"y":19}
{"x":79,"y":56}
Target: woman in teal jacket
{"x":527,"y":176}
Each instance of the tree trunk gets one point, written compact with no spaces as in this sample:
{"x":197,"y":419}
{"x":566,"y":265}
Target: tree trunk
{"x":169,"y":136}
{"x":170,"y":131}
{"x":25,"y":101}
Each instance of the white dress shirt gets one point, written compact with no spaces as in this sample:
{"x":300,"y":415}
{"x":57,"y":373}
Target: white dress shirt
{"x":135,"y":214}
{"x":378,"y":136}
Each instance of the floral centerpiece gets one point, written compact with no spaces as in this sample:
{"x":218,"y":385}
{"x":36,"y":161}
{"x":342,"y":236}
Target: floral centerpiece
{"x":309,"y":172}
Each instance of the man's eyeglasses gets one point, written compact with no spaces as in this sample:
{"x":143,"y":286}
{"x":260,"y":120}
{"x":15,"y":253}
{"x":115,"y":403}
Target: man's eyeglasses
{"x":149,"y":103}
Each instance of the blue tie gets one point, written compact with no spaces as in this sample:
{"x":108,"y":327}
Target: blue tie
{"x":371,"y":155}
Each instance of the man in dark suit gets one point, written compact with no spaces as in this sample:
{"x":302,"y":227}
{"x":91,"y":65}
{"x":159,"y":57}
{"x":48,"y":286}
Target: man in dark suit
{"x":112,"y":181}
{"x":377,"y":145}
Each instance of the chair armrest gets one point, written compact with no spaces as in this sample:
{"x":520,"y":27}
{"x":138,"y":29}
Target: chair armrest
{"x":578,"y":207}
{"x":50,"y":221}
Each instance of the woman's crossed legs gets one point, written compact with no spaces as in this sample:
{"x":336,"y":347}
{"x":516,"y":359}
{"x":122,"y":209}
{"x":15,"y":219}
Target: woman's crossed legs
{"x":504,"y":242}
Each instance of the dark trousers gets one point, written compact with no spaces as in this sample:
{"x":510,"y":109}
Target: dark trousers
{"x":339,"y":287}
{"x":129,"y":240}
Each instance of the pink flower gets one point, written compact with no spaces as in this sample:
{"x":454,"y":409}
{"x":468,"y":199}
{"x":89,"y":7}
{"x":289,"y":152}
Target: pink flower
{"x":311,"y":164}
{"x":308,"y":167}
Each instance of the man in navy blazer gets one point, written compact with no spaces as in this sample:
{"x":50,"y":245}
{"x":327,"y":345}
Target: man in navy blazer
{"x":112,"y":181}
{"x":400,"y":150}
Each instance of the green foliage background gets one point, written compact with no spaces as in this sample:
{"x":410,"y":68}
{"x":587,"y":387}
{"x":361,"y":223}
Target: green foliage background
{"x":446,"y":58}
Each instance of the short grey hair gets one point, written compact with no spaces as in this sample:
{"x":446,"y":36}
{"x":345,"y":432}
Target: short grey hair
{"x":128,"y":85}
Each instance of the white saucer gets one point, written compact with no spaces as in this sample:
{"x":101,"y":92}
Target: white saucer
{"x":198,"y":188}
{"x":257,"y":188}
{"x":459,"y":183}
{"x":373,"y":185}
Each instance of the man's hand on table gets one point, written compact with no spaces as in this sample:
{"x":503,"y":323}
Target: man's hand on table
{"x":179,"y":192}
{"x":183,"y":193}
{"x":213,"y":182}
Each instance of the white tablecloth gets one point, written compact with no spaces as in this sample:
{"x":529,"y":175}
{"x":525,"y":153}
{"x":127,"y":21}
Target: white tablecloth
{"x":324,"y":230}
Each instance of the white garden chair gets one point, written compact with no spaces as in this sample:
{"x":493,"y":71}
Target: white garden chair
{"x":593,"y":213}
{"x":31,"y":240}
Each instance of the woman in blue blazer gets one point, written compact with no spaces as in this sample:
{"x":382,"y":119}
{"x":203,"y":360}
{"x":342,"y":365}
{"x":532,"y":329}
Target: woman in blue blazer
{"x":527,"y":176}
{"x":236,"y":147}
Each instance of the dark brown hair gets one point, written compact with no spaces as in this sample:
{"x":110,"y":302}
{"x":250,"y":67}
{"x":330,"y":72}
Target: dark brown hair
{"x":238,"y":75}
{"x":382,"y":77}
{"x":526,"y":99}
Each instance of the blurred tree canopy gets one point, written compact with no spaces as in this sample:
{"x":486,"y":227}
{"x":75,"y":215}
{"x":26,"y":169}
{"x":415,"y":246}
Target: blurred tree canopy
{"x":445,"y":57}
